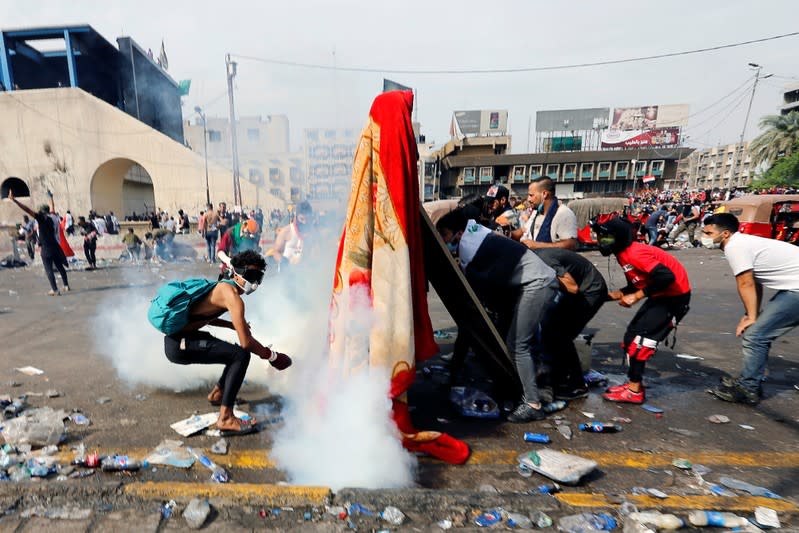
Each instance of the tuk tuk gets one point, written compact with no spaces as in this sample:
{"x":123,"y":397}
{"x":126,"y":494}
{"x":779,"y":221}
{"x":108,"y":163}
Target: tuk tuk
{"x":774,"y":216}
{"x":587,"y":210}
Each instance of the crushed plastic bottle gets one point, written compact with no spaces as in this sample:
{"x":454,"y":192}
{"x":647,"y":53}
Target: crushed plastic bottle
{"x":658,"y":520}
{"x":218,"y":474}
{"x":754,"y":490}
{"x":168,"y":508}
{"x":586,"y":523}
{"x":393,"y":516}
{"x":121,"y":463}
{"x":717,"y":519}
{"x":540,"y":519}
{"x":489,"y":518}
{"x":196,"y":513}
{"x":519,"y":520}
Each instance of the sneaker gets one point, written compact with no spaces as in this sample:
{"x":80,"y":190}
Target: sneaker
{"x":67,"y":289}
{"x":526,"y":413}
{"x":571,"y":393}
{"x":53,"y":293}
{"x":625,"y":396}
{"x":736,"y":393}
{"x":619,"y":388}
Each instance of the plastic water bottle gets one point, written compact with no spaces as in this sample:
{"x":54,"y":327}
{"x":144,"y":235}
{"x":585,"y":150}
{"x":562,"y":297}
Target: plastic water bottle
{"x":586,"y":523}
{"x":600,"y":427}
{"x":657,"y":519}
{"x":218,"y":474}
{"x":717,"y":519}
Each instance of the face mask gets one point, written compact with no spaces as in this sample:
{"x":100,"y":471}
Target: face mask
{"x":540,"y":208}
{"x":252,"y":279}
{"x":606,"y":243}
{"x":709,"y":243}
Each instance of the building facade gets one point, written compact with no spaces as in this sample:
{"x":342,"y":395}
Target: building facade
{"x":790,"y":99}
{"x":329,"y":154}
{"x":718,"y":167}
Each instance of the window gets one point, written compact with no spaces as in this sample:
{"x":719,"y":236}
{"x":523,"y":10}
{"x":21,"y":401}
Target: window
{"x":657,"y":168}
{"x":256,"y":175}
{"x":587,"y":171}
{"x":640,"y":168}
{"x":621,"y":169}
{"x":552,"y":171}
{"x":312,"y":135}
{"x":535,"y":172}
{"x":569,"y":171}
{"x":274,"y":173}
{"x":295,"y":174}
{"x":214,"y":136}
{"x":253,"y":134}
{"x":429,"y":170}
{"x":16,"y":185}
{"x":486,"y":174}
{"x":330,"y":134}
{"x":518,"y":173}
{"x":468,"y":175}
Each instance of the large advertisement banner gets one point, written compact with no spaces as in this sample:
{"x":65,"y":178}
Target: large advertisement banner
{"x":617,"y":138}
{"x":649,"y":117}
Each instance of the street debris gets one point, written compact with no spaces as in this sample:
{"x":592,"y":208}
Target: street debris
{"x":700,"y":470}
{"x":102,"y":400}
{"x":554,"y":407}
{"x":441,"y":334}
{"x":600,"y":427}
{"x":168,"y":508}
{"x":558,"y":466}
{"x":767,"y":517}
{"x":652,"y":408}
{"x":594,"y":378}
{"x":717,"y":519}
{"x":196,"y":513}
{"x":218,"y":474}
{"x":489,"y":518}
{"x":621,"y":419}
{"x":657,"y":493}
{"x":684,"y":464}
{"x":754,"y":490}
{"x":587,"y":414}
{"x":196,"y":423}
{"x":79,"y":419}
{"x":444,"y":524}
{"x":719,"y":419}
{"x":689,"y":357}
{"x":473,"y":403}
{"x":685,"y":432}
{"x":746,"y":427}
{"x":566,"y":431}
{"x":656,"y":519}
{"x":220,"y":447}
{"x":171,"y":453}
{"x":586,"y":522}
{"x":37,"y":427}
{"x":52,"y":393}
{"x":30,"y":371}
{"x":537,"y":437}
{"x":393,"y":516}
{"x":120,"y":463}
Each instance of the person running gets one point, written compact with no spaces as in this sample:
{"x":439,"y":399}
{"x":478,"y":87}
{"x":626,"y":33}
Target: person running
{"x":211,"y":231}
{"x":89,"y":233}
{"x":50,"y":250}
{"x":757,"y":262}
{"x":652,"y":274}
{"x":189,"y":345}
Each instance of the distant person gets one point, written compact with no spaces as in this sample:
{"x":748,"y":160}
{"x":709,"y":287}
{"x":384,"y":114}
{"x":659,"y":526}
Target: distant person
{"x":69,"y":226}
{"x":28,"y":231}
{"x":211,"y":231}
{"x":756,"y":262}
{"x":132,"y":243}
{"x":290,"y":244}
{"x":50,"y":250}
{"x":207,"y":301}
{"x":89,"y":233}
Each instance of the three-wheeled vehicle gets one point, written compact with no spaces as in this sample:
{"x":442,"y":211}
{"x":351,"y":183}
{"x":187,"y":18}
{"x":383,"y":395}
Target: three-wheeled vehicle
{"x":774,"y":216}
{"x":587,"y":210}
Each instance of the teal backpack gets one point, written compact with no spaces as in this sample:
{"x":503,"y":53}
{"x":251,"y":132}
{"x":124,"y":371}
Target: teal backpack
{"x":169,"y":310}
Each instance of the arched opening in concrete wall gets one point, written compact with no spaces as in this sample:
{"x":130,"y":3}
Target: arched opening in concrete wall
{"x":122,"y":186}
{"x":15,"y":185}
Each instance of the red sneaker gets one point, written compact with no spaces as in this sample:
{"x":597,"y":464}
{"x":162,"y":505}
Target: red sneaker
{"x":619,"y":388}
{"x":625,"y":396}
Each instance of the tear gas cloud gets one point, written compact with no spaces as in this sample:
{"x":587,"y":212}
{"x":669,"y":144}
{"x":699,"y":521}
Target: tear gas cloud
{"x":338,"y":430}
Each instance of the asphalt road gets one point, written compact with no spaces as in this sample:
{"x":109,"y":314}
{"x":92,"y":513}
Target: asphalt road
{"x":59,"y":335}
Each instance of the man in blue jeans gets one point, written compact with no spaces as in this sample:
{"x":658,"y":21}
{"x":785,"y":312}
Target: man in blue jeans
{"x":756,"y":262}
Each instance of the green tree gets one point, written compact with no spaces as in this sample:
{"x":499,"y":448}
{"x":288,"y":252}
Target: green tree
{"x":779,"y":139}
{"x":784,"y":173}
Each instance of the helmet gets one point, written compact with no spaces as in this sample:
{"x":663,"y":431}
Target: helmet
{"x":613,"y":235}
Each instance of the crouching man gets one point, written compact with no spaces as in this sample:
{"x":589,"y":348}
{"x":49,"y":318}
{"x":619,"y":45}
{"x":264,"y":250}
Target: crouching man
{"x":182,"y":308}
{"x":513,"y":281}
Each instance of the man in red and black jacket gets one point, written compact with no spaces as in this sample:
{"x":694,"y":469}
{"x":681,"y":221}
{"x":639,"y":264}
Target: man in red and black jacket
{"x":652,"y":274}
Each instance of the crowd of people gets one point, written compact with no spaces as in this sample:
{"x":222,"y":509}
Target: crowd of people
{"x":520,"y":259}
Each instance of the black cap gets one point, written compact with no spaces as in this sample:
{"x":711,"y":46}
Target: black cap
{"x":496,"y":192}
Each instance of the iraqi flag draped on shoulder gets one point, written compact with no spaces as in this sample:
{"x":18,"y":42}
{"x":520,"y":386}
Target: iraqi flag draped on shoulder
{"x":380,"y":270}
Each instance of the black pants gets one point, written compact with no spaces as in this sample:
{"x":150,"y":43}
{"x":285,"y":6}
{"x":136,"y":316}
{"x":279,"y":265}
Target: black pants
{"x":50,"y":260}
{"x":559,"y":330}
{"x":202,"y":348}
{"x":654,"y":321}
{"x":89,"y":247}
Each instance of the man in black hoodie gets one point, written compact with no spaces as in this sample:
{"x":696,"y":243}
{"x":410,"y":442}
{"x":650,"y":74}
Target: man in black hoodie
{"x":513,"y":281}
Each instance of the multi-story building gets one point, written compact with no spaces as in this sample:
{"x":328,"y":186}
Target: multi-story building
{"x":718,"y":167}
{"x":265,"y":159}
{"x":790,"y":99}
{"x":328,"y":155}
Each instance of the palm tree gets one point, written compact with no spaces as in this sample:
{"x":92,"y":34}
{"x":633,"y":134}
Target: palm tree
{"x":779,"y":139}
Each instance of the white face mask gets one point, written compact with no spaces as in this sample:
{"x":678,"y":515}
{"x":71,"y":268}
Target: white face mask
{"x":709,"y":243}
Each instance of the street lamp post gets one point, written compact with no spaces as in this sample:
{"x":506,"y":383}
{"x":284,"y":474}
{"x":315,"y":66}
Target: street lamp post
{"x":199,"y":111}
{"x":757,"y":68}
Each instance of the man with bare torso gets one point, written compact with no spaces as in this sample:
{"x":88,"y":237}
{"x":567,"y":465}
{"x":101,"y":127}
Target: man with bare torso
{"x":242,"y":275}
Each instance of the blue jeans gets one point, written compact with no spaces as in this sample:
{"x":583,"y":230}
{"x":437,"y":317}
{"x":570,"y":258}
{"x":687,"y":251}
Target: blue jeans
{"x":780,"y":316}
{"x":653,"y":235}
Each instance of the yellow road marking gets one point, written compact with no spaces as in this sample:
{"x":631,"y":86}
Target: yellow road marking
{"x":249,"y":459}
{"x":737,"y":503}
{"x":264,"y":494}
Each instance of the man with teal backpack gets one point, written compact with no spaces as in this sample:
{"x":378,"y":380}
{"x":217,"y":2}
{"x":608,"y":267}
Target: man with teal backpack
{"x":182,"y":308}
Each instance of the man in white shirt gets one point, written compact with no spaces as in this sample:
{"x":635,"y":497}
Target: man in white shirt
{"x":756,"y":262}
{"x":551,"y":224}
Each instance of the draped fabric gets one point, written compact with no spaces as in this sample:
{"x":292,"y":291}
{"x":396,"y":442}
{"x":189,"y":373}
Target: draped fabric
{"x":379,"y":314}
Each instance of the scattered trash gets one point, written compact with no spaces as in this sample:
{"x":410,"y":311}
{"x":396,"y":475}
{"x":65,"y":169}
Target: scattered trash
{"x":558,"y":466}
{"x":444,"y":524}
{"x":357,"y":508}
{"x":549,"y":488}
{"x":171,"y":453}
{"x":684,"y":464}
{"x":167,"y":508}
{"x":554,"y":407}
{"x":754,"y":490}
{"x":540,"y":519}
{"x":622,"y":419}
{"x":393,"y":516}
{"x":719,"y":419}
{"x":196,"y":513}
{"x":473,"y":403}
{"x":700,"y":469}
{"x":102,"y":400}
{"x":220,"y":447}
{"x":652,"y":408}
{"x":746,"y":426}
{"x":336,"y":510}
{"x":537,"y":437}
{"x":37,"y":427}
{"x":586,"y":522}
{"x":685,"y":432}
{"x":766,"y":517}
{"x":657,"y":519}
{"x":489,"y":518}
{"x":566,"y":431}
{"x":196,"y":423}
{"x":689,"y":357}
{"x":441,"y":334}
{"x":600,"y":427}
{"x":595,"y":379}
{"x":52,"y":393}
{"x":488,"y":488}
{"x":140,"y":397}
{"x":657,"y":493}
{"x":30,"y":371}
{"x":718,"y":490}
{"x":218,"y":474}
{"x":717,"y":519}
{"x":587,"y":414}
{"x":120,"y":463}
{"x":519,"y":520}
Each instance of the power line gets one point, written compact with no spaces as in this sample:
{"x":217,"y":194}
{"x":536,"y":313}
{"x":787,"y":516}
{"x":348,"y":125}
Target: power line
{"x":734,"y":104}
{"x":744,"y":84}
{"x":732,"y":109}
{"x":516,"y":69}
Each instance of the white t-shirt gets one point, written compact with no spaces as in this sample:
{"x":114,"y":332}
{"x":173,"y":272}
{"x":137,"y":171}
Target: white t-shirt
{"x":472,"y":238}
{"x":775,"y":264}
{"x":564,"y":225}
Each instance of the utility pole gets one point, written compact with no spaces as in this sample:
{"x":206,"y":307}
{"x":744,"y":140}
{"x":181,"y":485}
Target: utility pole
{"x":199,"y":111}
{"x":743,"y":131}
{"x":231,"y":73}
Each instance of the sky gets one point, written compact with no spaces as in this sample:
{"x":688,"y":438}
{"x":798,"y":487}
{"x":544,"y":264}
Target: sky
{"x":448,"y":35}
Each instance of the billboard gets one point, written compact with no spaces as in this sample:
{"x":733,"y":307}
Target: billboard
{"x":640,"y":138}
{"x":649,"y":117}
{"x":479,"y":122}
{"x":572,"y":119}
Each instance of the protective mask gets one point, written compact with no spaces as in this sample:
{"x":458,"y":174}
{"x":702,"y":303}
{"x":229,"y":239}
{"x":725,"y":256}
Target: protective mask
{"x":250,"y":285}
{"x":606,"y":243}
{"x":709,"y":243}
